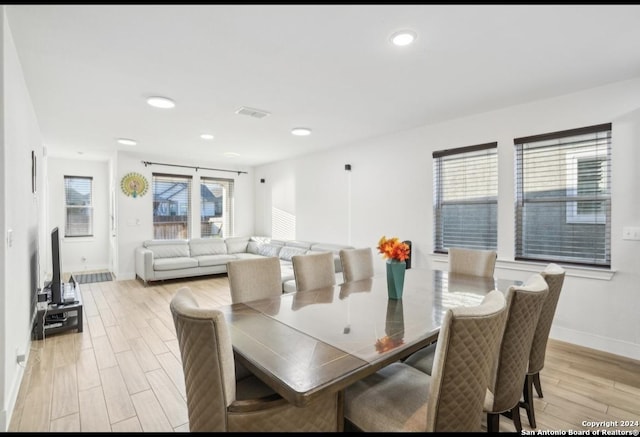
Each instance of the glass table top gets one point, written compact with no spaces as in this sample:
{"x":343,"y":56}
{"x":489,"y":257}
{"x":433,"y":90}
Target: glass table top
{"x":361,"y":320}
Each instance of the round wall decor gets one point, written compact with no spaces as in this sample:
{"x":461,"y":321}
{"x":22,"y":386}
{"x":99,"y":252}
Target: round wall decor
{"x":134,"y":184}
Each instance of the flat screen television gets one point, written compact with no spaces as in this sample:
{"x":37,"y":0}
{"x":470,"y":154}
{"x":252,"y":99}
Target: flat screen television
{"x":56,"y":278}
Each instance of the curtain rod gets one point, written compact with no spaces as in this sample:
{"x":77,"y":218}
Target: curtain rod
{"x":146,"y":163}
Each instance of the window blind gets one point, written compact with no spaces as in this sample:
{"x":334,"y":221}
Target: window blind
{"x":216,"y":207}
{"x":171,"y":206}
{"x":563,"y":196}
{"x":78,"y":206}
{"x":465,"y":197}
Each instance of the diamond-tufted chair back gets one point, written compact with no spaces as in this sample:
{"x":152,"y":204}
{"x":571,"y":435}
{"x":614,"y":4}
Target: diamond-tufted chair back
{"x":466,"y":349}
{"x":207,"y":362}
{"x":524,"y":303}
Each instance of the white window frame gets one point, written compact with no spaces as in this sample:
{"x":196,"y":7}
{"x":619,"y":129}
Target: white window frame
{"x":443,"y":197}
{"x":182,"y":209}
{"x":581,"y":244}
{"x":572,"y":160}
{"x":226,"y":220}
{"x":68,"y":207}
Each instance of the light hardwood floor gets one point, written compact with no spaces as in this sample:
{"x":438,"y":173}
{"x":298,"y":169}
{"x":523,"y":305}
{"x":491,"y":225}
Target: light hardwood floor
{"x":123,"y":373}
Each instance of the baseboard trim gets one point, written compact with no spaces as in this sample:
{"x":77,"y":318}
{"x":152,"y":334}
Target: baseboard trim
{"x":605,"y":344}
{"x":126,"y":276}
{"x":82,"y":268}
{"x":5,"y":415}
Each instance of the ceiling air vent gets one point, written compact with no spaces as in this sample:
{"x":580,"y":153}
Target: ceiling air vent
{"x":252,"y":112}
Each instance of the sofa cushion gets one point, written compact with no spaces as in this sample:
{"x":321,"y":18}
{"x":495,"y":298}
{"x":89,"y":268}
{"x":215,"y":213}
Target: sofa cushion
{"x":260,"y":240}
{"x":174,"y":263}
{"x":289,"y":286}
{"x":302,"y":244}
{"x":214,"y":260}
{"x":252,"y":247}
{"x":315,"y":252}
{"x":255,"y":243}
{"x":207,"y":246}
{"x":288,"y":278}
{"x":246,"y":255}
{"x":324,"y":247}
{"x":287,"y":252}
{"x":269,"y":249}
{"x":286,"y":271}
{"x":168,"y":248}
{"x":236,"y":244}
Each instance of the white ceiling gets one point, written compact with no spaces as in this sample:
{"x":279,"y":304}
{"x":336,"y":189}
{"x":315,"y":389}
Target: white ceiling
{"x":332,"y":68}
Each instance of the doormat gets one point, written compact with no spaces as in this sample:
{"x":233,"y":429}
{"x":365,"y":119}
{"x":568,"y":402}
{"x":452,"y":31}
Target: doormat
{"x":86,"y":278}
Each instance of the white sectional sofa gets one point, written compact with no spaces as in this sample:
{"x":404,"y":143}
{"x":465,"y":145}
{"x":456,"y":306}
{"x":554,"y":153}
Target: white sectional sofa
{"x":170,"y":259}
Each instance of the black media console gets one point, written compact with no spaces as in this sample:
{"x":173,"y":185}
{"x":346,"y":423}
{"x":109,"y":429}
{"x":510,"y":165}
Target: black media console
{"x":52,"y":318}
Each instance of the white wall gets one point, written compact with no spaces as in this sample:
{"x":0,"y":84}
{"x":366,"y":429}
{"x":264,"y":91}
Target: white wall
{"x":94,"y":250}
{"x":135,"y":215}
{"x":392,"y":194}
{"x":277,"y":198}
{"x":20,"y":212}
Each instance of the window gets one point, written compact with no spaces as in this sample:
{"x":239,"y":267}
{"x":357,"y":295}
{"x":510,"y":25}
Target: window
{"x":216,"y":207}
{"x":78,"y":206}
{"x":171,"y":206}
{"x":466,"y":197}
{"x":586,"y":176}
{"x":563,"y":196}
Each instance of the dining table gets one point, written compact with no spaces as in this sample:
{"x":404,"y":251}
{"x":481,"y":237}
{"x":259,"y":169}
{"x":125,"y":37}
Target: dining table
{"x":308,"y":343}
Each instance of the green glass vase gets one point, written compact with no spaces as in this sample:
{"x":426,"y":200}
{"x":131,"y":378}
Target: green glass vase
{"x":395,"y":278}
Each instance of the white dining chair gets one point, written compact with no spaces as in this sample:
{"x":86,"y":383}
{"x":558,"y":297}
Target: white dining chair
{"x":217,"y":400}
{"x":472,"y":261}
{"x":357,"y":264}
{"x":554,"y":275}
{"x":401,"y":398}
{"x":254,"y":278}
{"x":313,"y":271}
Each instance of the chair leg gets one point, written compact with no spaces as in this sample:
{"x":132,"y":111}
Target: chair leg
{"x":350,"y":427}
{"x":493,"y":422}
{"x":515,"y":416}
{"x":527,"y":404}
{"x":536,"y":382}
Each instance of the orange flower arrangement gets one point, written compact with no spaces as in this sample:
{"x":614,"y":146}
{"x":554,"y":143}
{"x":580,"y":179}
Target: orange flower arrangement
{"x":393,"y":248}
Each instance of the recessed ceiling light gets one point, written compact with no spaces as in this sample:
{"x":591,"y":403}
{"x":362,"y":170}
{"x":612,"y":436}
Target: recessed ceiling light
{"x":403,"y":37}
{"x":231,"y":154}
{"x":161,"y":102}
{"x":301,"y":131}
{"x":127,"y":141}
{"x":206,"y":136}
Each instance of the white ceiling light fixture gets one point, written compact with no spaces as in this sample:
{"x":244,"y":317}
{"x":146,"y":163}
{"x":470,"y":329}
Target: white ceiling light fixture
{"x":301,"y":131}
{"x":206,"y":137}
{"x":231,"y":154}
{"x":127,"y":141}
{"x":403,"y":38}
{"x":161,"y":102}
